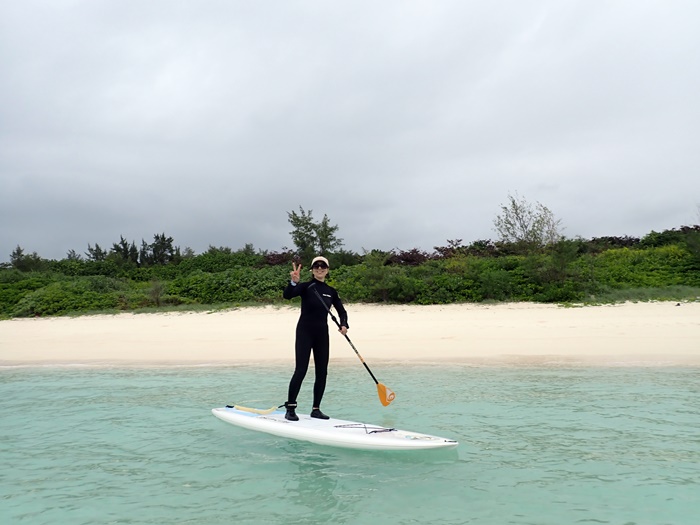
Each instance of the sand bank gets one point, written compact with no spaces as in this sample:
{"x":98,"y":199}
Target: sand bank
{"x":645,"y":333}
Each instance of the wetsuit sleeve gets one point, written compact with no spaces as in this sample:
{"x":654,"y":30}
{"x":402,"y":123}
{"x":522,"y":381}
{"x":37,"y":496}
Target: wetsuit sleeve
{"x":293,"y":291}
{"x":342,"y":313}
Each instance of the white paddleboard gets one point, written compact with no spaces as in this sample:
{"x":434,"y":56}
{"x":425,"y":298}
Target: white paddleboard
{"x":332,"y":432}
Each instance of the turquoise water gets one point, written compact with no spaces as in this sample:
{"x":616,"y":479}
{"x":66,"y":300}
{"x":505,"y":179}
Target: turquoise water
{"x":538,"y":445}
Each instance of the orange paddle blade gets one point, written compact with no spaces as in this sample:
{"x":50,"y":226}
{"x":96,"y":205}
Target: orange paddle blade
{"x":386,"y":396}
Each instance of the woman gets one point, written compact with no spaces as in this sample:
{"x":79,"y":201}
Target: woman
{"x":312,"y":332}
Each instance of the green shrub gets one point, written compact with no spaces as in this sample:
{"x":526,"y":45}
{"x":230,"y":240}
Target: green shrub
{"x":65,"y":296}
{"x":650,"y":268}
{"x":15,"y":285}
{"x":233,"y":285}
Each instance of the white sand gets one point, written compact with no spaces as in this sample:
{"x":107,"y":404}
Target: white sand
{"x":522,"y":333}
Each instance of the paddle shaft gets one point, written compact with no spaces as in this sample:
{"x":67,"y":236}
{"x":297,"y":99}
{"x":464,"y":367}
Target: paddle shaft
{"x":345,"y":335}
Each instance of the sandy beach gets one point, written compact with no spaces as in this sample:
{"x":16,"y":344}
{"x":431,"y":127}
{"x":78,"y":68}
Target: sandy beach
{"x":664,"y":333}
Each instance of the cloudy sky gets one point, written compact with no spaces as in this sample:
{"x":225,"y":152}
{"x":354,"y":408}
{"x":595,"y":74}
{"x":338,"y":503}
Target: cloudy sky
{"x":406,"y":122}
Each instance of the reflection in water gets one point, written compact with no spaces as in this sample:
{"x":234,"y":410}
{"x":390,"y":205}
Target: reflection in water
{"x":315,"y":484}
{"x":330,"y":483}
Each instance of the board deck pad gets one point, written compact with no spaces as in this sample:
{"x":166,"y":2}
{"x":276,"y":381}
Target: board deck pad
{"x":333,"y":432}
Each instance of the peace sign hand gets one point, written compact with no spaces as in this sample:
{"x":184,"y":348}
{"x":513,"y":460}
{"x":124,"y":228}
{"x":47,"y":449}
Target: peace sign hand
{"x":294,"y":274}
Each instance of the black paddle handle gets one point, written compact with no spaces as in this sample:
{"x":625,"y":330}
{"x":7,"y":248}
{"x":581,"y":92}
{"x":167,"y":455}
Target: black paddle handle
{"x":345,"y":335}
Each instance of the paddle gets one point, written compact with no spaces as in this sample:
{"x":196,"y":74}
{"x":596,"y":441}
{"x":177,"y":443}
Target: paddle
{"x":254,"y":410}
{"x":386,"y":396}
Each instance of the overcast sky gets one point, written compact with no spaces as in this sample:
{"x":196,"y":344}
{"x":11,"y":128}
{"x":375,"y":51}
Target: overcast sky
{"x":406,"y":122}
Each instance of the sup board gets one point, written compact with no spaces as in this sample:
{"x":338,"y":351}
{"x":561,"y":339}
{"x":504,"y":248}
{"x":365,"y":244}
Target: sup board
{"x":331,"y":432}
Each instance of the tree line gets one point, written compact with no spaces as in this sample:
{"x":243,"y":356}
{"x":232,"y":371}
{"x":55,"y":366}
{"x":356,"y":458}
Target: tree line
{"x":530,"y":261}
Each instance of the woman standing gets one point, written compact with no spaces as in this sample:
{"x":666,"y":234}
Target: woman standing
{"x":312,"y":332}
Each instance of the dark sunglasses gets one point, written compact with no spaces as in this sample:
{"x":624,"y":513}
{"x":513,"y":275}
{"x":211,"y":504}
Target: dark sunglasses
{"x":321,"y":265}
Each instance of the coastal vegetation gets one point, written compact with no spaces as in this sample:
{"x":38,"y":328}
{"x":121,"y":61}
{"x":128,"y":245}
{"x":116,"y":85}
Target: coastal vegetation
{"x":521,"y":266}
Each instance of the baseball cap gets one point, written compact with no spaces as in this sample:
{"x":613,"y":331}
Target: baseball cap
{"x":320,"y":259}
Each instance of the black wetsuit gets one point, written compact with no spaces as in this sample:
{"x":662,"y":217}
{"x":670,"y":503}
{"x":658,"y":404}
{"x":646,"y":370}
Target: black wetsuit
{"x":312,"y":334}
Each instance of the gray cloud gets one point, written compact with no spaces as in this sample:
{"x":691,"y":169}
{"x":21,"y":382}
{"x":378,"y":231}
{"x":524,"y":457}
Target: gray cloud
{"x":408,"y":123}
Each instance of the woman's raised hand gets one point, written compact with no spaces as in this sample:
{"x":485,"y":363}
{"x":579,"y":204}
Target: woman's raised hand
{"x":294,"y":274}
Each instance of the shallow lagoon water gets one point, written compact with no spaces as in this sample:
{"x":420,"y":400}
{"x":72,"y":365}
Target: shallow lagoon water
{"x":538,"y":445}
